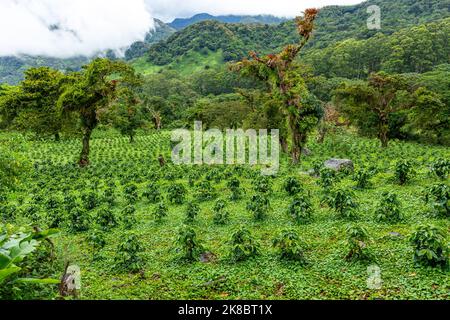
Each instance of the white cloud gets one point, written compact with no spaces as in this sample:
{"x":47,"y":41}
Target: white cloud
{"x":66,"y":28}
{"x":167,"y":10}
{"x":83,"y":27}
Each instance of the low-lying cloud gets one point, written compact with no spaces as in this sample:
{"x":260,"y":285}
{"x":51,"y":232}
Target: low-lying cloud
{"x":66,"y":28}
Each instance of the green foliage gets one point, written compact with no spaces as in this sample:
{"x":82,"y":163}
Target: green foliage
{"x":176,"y":193}
{"x":152,"y":192}
{"x":259,"y":205}
{"x":14,"y":248}
{"x":128,"y":255}
{"x":221,"y":214}
{"x":292,"y":186}
{"x":234,"y":186}
{"x":243,"y":245}
{"x":97,"y":241}
{"x":204,"y":191}
{"x":404,"y":171}
{"x":106,"y":219}
{"x":438,"y":196}
{"x":357,"y":240}
{"x":301,"y":209}
{"x":160,"y":211}
{"x":78,"y":220}
{"x":342,"y":202}
{"x":262,"y":184}
{"x":389,"y":208}
{"x":441,"y":168}
{"x":289,"y":246}
{"x":327,"y":178}
{"x":430,"y":246}
{"x":362,"y":177}
{"x":128,"y":216}
{"x":189,"y":244}
{"x":192,"y":211}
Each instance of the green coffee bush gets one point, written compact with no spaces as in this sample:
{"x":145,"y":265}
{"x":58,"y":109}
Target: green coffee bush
{"x":357,"y":243}
{"x":430,"y":246}
{"x":188,"y":243}
{"x":301,"y":209}
{"x":128,"y":255}
{"x":389,"y":208}
{"x":243,"y":245}
{"x":289,"y":246}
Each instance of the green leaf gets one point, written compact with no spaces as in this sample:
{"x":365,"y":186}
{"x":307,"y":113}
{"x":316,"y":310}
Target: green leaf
{"x":38,"y":281}
{"x":5,"y":273}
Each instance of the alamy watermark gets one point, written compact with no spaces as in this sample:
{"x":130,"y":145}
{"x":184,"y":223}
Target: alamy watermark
{"x":374,"y":20}
{"x":231,"y":147}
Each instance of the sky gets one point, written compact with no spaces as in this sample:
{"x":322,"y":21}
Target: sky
{"x":67,"y":28}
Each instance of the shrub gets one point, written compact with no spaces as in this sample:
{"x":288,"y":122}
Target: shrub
{"x":176,"y":193}
{"x":131,"y":193}
{"x":97,"y":241}
{"x":438,"y":196}
{"x":192,"y":211}
{"x":430,"y":246}
{"x":292,"y":186}
{"x":362,"y":178}
{"x":403,"y":171}
{"x":90,"y":200}
{"x":78,"y":220}
{"x":289,"y":246}
{"x":301,"y":209}
{"x":388,"y":209}
{"x":234,"y":185}
{"x":341,"y":201}
{"x":152,"y":193}
{"x":106,"y":219}
{"x":160,"y":211}
{"x":327,"y":178}
{"x":243,"y":245}
{"x":357,"y":238}
{"x":441,"y":168}
{"x":204,"y":191}
{"x":128,"y":257}
{"x":221,"y":215}
{"x":262,"y":184}
{"x":128,"y":215}
{"x":259,"y":205}
{"x":188,"y":243}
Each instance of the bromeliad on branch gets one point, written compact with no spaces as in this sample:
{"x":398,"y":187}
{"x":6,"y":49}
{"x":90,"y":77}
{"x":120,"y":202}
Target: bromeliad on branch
{"x":301,"y":109}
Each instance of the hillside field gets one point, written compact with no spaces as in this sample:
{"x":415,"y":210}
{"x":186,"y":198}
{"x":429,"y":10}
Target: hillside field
{"x":53,"y":182}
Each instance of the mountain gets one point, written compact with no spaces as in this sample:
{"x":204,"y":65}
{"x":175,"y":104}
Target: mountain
{"x":162,"y":32}
{"x":13,"y":67}
{"x":180,"y":24}
{"x":334,"y":24}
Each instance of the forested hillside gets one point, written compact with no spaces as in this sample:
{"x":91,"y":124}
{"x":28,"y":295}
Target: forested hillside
{"x":335,"y":23}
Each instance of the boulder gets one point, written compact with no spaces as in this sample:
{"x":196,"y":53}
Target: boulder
{"x":339,"y":164}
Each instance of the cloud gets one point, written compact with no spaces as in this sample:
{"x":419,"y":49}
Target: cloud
{"x":65,"y":28}
{"x":167,"y":10}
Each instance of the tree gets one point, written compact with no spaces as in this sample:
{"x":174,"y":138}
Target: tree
{"x":287,"y":85}
{"x":9,"y":104}
{"x":93,"y":89}
{"x":39,"y":94}
{"x":371,"y":105}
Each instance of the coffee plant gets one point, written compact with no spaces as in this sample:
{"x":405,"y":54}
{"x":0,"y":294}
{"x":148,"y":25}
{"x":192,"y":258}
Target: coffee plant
{"x":292,"y":186}
{"x":188,"y":243}
{"x":301,"y":209}
{"x":128,"y":215}
{"x":289,"y":246}
{"x":97,"y":241}
{"x":259,"y":205}
{"x":234,"y":186}
{"x":128,"y":255}
{"x":441,"y":168}
{"x":357,"y":241}
{"x":176,"y":193}
{"x":430,"y":246}
{"x":106,"y":219}
{"x":342,"y":202}
{"x":192,"y":211}
{"x":243,"y":245}
{"x":221,"y":215}
{"x":389,"y":208}
{"x":362,"y":177}
{"x":160,"y":211}
{"x":152,"y":193}
{"x":438,"y":196}
{"x":404,"y":171}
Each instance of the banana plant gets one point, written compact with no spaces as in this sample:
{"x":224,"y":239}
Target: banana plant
{"x":15,"y":248}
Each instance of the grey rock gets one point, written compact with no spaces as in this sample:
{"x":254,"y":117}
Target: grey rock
{"x":339,"y":164}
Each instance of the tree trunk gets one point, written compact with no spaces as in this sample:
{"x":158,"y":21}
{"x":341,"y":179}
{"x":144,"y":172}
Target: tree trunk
{"x":297,"y":140}
{"x":384,"y":131}
{"x":84,"y":157}
{"x":284,"y":144}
